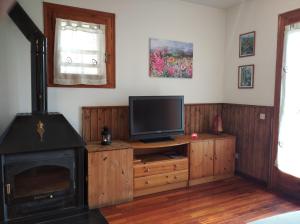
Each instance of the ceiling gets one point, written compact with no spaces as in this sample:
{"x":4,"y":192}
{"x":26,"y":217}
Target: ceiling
{"x":223,"y":4}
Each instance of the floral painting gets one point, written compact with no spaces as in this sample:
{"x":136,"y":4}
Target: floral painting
{"x":171,"y":59}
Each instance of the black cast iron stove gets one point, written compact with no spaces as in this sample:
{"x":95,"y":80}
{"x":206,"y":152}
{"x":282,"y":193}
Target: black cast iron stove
{"x":42,"y":157}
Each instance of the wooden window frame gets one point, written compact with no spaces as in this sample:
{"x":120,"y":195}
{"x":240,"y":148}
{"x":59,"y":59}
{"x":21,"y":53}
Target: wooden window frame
{"x":53,"y":11}
{"x":277,"y":177}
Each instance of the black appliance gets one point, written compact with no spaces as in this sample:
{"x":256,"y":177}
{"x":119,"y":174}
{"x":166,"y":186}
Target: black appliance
{"x":155,"y":118}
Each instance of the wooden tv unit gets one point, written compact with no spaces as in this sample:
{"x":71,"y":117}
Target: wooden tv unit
{"x":119,"y":172}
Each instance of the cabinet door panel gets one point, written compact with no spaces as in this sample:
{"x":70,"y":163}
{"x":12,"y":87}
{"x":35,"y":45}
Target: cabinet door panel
{"x":201,"y":159}
{"x":110,"y":177}
{"x":224,"y":156}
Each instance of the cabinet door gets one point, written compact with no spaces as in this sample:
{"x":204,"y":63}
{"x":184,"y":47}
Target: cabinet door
{"x":224,"y":156}
{"x":110,"y":177}
{"x":201,"y":159}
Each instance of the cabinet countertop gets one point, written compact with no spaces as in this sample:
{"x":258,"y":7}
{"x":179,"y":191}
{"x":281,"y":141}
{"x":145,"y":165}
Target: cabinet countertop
{"x":115,"y":145}
{"x":179,"y":140}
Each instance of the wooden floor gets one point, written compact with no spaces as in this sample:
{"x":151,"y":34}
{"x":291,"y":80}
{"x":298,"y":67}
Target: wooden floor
{"x":233,"y":201}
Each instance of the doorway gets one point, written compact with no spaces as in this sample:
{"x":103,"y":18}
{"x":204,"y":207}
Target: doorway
{"x":286,"y":146}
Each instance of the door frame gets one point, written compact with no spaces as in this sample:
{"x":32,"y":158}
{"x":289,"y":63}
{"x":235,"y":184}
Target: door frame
{"x":276,"y":176}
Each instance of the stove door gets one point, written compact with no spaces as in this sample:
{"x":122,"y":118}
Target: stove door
{"x":39,"y":181}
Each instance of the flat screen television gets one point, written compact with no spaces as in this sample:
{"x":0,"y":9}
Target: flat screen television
{"x":154,"y":118}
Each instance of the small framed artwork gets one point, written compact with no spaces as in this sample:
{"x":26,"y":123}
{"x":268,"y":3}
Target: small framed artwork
{"x":247,"y":44}
{"x":246,"y":77}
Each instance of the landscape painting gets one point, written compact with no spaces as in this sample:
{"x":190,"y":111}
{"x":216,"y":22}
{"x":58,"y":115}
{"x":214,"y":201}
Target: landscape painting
{"x":247,"y":44}
{"x":171,"y":59}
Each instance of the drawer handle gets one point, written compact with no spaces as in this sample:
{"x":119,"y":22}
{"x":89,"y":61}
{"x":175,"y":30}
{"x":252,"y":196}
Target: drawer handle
{"x":146,"y":182}
{"x":175,"y":177}
{"x":147,"y":169}
{"x":175,"y":167}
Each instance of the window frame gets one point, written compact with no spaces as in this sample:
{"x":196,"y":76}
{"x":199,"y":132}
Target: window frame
{"x":53,"y":11}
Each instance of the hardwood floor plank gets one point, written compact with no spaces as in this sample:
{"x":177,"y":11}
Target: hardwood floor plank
{"x":231,"y":201}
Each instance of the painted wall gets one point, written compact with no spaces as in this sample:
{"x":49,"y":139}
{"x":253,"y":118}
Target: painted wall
{"x":260,"y":16}
{"x":136,"y":22}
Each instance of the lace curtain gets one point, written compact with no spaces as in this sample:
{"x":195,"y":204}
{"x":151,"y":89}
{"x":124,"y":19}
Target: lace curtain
{"x":79,"y":53}
{"x":289,"y":144}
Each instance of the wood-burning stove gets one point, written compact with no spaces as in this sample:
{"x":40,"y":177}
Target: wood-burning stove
{"x":42,"y":157}
{"x":41,"y":177}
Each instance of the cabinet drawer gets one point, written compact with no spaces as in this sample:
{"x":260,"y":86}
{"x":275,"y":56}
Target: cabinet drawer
{"x":160,"y":179}
{"x":160,"y":167}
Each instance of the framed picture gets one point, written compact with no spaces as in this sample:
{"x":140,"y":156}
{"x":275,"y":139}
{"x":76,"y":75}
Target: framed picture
{"x":246,"y":77}
{"x":247,"y":44}
{"x":170,"y":59}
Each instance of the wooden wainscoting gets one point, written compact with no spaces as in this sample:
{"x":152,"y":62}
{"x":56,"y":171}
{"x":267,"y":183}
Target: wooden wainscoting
{"x":254,"y":137}
{"x":95,"y":118}
{"x":198,"y":118}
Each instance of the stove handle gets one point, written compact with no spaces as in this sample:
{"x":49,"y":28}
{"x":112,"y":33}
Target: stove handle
{"x":8,"y":189}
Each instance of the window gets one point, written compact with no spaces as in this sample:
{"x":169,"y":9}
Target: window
{"x":81,"y":47}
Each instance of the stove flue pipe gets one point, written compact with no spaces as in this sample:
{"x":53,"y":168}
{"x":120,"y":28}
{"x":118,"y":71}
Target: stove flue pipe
{"x":38,"y":57}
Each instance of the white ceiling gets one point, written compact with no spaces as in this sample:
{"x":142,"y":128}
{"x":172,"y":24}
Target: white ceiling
{"x":223,"y":4}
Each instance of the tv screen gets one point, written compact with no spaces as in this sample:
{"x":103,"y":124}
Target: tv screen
{"x":156,"y":116}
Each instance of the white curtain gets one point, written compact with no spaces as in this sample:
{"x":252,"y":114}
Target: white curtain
{"x":79,"y":53}
{"x":288,"y":159}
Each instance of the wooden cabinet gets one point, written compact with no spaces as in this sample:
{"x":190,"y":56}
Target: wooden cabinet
{"x":201,"y":159}
{"x":160,"y":166}
{"x":224,"y":156}
{"x":121,"y":171}
{"x":110,"y":176}
{"x":212,"y":159}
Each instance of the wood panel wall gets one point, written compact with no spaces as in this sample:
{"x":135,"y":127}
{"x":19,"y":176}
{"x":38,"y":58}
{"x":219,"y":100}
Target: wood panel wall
{"x":254,"y":137}
{"x":198,"y":118}
{"x":95,"y":118}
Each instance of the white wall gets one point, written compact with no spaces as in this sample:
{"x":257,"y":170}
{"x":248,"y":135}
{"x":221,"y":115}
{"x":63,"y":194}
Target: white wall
{"x":260,"y":16}
{"x":136,"y":22}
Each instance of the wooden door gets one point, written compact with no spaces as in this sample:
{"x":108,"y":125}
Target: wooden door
{"x":224,"y":159}
{"x":280,"y":180}
{"x":201,"y":159}
{"x":110,"y":177}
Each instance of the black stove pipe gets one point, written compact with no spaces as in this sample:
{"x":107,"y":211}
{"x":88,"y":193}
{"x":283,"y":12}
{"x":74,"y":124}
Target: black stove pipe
{"x":38,"y":57}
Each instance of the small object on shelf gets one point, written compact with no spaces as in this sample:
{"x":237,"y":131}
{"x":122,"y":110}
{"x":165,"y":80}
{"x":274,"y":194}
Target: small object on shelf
{"x":106,"y":136}
{"x":194,"y":135}
{"x":217,"y":125}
